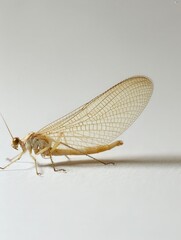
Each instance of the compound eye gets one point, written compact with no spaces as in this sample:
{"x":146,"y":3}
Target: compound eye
{"x":16,"y":141}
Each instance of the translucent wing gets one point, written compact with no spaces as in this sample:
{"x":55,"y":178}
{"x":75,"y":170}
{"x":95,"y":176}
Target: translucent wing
{"x":104,"y":118}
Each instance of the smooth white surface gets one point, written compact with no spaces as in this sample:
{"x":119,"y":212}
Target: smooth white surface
{"x":57,"y":55}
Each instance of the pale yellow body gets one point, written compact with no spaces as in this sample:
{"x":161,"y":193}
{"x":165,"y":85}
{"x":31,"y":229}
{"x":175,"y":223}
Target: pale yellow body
{"x":88,"y":150}
{"x":47,"y":147}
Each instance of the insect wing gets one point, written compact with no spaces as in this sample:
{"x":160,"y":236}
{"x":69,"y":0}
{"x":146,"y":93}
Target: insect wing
{"x":104,"y":118}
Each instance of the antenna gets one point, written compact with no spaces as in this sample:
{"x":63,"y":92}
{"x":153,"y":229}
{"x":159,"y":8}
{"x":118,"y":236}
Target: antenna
{"x":7,"y":126}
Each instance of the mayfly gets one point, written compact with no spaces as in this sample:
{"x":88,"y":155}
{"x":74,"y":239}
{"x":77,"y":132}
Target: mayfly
{"x":92,"y":127}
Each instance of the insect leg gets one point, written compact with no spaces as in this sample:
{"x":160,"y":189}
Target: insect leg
{"x":67,"y":157}
{"x":10,"y":159}
{"x":43,"y":150}
{"x":53,"y":164}
{"x":54,"y":168}
{"x":13,"y":160}
{"x":36,"y":165}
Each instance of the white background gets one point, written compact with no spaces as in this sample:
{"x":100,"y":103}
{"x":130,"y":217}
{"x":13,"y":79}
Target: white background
{"x":57,"y":55}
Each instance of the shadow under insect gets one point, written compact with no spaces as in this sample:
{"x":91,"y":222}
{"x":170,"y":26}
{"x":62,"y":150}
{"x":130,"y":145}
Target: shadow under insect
{"x":149,"y":161}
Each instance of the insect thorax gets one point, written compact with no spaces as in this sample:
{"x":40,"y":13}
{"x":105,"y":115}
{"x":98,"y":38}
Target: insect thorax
{"x":37,"y":143}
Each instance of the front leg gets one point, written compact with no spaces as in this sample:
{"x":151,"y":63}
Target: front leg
{"x":13,"y":160}
{"x":36,"y":165}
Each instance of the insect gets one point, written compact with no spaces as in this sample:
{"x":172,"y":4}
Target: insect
{"x":92,"y":127}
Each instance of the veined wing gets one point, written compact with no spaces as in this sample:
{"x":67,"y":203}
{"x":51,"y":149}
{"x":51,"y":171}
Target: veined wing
{"x":104,"y":118}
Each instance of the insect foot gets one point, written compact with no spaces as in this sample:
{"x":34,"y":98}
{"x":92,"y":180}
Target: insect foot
{"x":39,"y":174}
{"x":107,"y":163}
{"x":60,"y":170}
